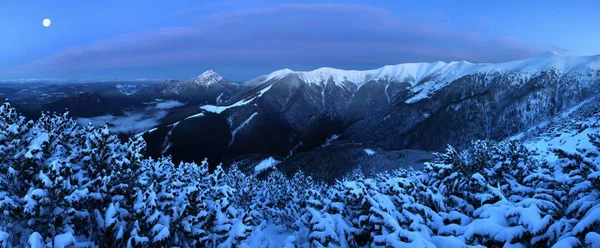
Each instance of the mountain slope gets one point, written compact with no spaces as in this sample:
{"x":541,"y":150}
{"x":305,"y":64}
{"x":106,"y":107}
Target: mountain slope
{"x":492,"y":102}
{"x":406,"y":106}
{"x":568,"y":131}
{"x":208,"y":88}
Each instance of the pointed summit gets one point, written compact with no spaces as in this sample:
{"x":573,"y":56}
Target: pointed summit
{"x":207,"y":78}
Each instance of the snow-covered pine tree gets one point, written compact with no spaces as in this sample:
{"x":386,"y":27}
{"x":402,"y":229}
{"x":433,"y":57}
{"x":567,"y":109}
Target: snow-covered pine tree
{"x":358,"y":207}
{"x":457,"y":176}
{"x":553,"y":194}
{"x":511,"y":164}
{"x":485,"y":185}
{"x":580,"y":172}
{"x":110,"y":170}
{"x":274,"y":197}
{"x":321,"y":226}
{"x":192,"y":184}
{"x":14,"y":132}
{"x":335,"y":209}
{"x":154,"y":205}
{"x":228,"y":226}
{"x":42,"y":194}
{"x":395,"y":214}
{"x":245,"y":194}
{"x":529,"y":207}
{"x":297,"y":189}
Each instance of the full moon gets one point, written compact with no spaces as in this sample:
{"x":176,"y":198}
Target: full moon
{"x":46,"y":22}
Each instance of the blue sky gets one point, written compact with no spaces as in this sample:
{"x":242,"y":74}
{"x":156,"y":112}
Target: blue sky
{"x":242,"y":39}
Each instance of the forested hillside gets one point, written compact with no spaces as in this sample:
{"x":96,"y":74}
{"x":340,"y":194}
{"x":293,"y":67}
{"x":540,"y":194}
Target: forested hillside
{"x":63,"y":185}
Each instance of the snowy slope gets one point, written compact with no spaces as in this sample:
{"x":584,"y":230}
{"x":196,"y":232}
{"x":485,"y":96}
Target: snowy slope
{"x":545,"y":61}
{"x":427,"y":78}
{"x":207,"y":78}
{"x":208,"y":87}
{"x":410,"y":71}
{"x":569,"y":131}
{"x":219,"y":109}
{"x":406,"y":106}
{"x":265,"y":164}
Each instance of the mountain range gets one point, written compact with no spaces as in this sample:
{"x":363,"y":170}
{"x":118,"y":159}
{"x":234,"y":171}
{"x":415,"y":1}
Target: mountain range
{"x":329,"y":112}
{"x":333,"y":121}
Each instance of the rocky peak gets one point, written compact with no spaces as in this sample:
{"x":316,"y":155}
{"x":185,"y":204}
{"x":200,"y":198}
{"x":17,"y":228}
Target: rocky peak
{"x":207,"y":78}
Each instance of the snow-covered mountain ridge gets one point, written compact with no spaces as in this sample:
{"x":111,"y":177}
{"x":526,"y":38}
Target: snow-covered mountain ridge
{"x":205,"y":79}
{"x":414,"y":72}
{"x":208,"y":87}
{"x":421,"y":106}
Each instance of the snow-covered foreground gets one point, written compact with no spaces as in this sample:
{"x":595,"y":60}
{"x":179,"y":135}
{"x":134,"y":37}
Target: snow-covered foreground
{"x":63,"y":185}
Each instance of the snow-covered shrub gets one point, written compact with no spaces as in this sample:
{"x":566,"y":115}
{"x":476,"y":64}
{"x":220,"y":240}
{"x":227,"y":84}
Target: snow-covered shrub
{"x":496,"y":193}
{"x":62,"y":185}
{"x":578,"y":174}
